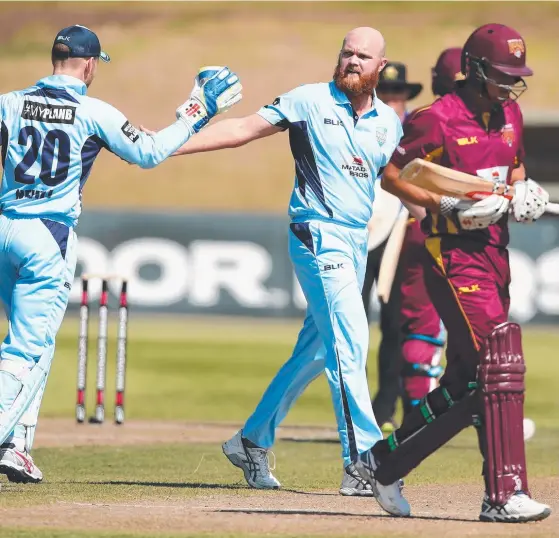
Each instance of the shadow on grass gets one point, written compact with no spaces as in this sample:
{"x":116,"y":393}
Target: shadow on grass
{"x":319,"y":441}
{"x":185,"y":485}
{"x":300,"y":492}
{"x":292,"y":512}
{"x":310,"y":440}
{"x":191,"y":485}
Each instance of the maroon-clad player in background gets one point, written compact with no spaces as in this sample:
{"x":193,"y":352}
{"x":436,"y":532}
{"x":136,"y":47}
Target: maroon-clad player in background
{"x":424,"y":334}
{"x":476,"y":129}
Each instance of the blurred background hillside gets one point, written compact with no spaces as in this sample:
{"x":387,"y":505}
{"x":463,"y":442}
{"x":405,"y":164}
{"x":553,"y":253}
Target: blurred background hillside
{"x":207,"y":234}
{"x":156,"y":48}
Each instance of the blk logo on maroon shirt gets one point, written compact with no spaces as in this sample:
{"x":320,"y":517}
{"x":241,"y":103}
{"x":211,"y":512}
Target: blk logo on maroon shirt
{"x":453,"y":135}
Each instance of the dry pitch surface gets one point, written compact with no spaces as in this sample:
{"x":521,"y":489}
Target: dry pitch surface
{"x":442,"y":510}
{"x":190,"y":383}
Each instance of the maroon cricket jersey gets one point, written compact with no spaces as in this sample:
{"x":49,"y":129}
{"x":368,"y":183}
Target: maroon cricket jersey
{"x":452,"y":134}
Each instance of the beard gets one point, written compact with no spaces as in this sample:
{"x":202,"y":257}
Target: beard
{"x":351,"y":85}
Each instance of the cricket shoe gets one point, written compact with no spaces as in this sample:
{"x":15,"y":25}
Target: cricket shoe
{"x":389,"y":497}
{"x":252,"y":460}
{"x":18,"y":466}
{"x":353,"y":485}
{"x":518,"y":509}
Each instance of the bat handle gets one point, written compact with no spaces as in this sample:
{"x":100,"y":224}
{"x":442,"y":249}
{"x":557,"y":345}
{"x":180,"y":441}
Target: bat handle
{"x":507,"y":191}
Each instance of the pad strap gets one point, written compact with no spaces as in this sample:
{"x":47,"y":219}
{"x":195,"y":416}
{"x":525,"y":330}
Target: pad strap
{"x":421,"y":370}
{"x":429,"y":339}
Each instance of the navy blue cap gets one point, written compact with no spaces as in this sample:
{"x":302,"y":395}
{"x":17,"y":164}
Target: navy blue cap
{"x":82,"y":42}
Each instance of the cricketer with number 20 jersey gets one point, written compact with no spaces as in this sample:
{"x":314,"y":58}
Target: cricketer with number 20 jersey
{"x":51,"y":134}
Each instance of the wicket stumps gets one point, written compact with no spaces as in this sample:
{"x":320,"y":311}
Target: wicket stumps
{"x":102,"y":341}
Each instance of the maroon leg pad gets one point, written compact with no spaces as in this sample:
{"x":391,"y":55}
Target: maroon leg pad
{"x":501,"y":381}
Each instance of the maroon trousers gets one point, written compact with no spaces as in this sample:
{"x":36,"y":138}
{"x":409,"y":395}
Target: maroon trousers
{"x":468,"y":283}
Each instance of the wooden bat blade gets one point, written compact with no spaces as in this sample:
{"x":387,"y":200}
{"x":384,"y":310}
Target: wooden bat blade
{"x":445,"y":181}
{"x":391,"y":256}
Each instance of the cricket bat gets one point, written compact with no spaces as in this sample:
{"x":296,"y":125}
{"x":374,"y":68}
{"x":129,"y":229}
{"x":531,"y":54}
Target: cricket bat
{"x":445,"y":181}
{"x":391,"y":256}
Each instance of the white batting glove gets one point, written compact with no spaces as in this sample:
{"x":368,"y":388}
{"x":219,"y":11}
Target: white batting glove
{"x":484,"y":213}
{"x":449,"y":204}
{"x":216,"y":90}
{"x":529,"y":201}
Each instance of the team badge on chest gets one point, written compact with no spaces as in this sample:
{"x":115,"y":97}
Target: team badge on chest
{"x":381,"y":135}
{"x":507,"y":134}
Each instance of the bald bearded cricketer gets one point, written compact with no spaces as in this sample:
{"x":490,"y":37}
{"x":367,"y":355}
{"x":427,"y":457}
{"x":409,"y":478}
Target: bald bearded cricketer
{"x":340,"y":137}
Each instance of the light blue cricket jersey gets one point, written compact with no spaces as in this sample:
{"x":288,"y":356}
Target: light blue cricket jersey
{"x":52,"y":132}
{"x":337,"y":155}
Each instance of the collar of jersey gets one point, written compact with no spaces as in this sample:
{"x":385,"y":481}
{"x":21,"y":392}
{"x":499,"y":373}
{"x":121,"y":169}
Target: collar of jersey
{"x":341,"y":98}
{"x":466,"y":104}
{"x":468,"y":107}
{"x":64,"y":81}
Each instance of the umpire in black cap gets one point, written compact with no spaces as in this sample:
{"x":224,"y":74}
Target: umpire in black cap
{"x":395,"y":90}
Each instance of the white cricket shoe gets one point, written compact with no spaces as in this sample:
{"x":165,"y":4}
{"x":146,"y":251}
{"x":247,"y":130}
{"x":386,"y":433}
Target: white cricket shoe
{"x":389,"y":497}
{"x":353,"y":485}
{"x":518,"y":509}
{"x":18,"y":466}
{"x":253,"y":462}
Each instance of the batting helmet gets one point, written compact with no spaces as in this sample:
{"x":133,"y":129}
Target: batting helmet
{"x":498,"y":46}
{"x":447,"y":71}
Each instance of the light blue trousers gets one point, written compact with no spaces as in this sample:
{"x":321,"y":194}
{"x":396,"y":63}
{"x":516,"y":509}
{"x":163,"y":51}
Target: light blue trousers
{"x":37,"y":265}
{"x":329,"y":261}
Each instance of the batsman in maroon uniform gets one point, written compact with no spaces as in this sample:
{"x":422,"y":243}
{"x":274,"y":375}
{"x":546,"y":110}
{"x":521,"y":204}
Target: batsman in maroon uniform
{"x":476,"y":129}
{"x":424,"y":334}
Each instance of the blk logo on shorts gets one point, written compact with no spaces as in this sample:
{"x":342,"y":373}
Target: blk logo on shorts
{"x":333,"y":266}
{"x":469,"y":289}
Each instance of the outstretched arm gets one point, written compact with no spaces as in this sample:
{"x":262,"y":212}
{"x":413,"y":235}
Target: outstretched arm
{"x":230,"y":133}
{"x":117,"y":134}
{"x":216,"y":89}
{"x":235,"y":132}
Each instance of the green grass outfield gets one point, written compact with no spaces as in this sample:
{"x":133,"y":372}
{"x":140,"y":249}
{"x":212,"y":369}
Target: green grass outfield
{"x":214,"y":370}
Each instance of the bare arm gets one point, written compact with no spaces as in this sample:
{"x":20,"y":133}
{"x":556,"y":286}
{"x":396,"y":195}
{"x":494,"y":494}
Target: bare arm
{"x":230,"y":133}
{"x":408,"y":193}
{"x":416,"y":211}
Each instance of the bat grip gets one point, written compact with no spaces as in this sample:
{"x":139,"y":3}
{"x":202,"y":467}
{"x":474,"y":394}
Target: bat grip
{"x":507,"y":191}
